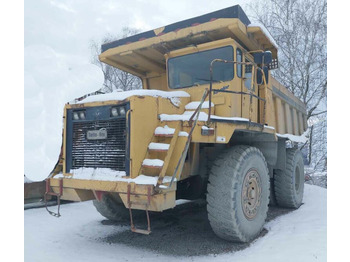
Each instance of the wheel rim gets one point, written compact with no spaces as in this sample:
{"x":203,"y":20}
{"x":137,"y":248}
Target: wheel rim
{"x":297,"y":179}
{"x":251,"y":194}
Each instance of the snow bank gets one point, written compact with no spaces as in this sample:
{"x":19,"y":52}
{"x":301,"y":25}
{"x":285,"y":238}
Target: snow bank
{"x":50,"y":79}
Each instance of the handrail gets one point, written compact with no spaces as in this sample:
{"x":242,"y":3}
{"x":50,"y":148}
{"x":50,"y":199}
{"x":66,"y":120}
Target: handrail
{"x":184,"y":152}
{"x":243,"y":93}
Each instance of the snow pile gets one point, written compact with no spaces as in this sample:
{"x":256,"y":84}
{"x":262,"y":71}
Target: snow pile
{"x":143,"y":92}
{"x":56,"y":70}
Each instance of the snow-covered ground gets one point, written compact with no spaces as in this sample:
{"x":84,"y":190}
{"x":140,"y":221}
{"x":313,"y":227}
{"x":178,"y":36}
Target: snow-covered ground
{"x":79,"y":235}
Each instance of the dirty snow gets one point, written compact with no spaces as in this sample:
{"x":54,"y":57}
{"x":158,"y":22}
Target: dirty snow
{"x":126,"y":94}
{"x":78,"y":236}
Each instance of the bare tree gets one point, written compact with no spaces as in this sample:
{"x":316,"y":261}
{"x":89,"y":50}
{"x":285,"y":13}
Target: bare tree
{"x":299,"y":27}
{"x":114,"y":78}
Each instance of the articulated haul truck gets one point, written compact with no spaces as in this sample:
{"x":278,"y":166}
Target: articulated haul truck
{"x":209,"y":122}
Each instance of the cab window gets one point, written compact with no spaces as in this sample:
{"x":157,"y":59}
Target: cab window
{"x":194,"y":69}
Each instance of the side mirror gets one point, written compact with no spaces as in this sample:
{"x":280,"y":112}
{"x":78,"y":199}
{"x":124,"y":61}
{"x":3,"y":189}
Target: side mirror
{"x":267,"y":57}
{"x":259,"y":75}
{"x":263,"y":57}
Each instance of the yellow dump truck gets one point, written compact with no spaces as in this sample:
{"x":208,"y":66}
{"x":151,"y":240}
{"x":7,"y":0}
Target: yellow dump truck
{"x":209,"y":121}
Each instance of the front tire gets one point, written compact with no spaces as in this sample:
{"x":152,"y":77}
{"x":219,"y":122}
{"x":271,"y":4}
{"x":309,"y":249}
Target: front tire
{"x":238,"y":194}
{"x":112,"y":208}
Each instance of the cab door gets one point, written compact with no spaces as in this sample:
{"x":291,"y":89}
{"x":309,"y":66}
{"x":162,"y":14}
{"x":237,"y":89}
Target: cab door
{"x":248,"y":85}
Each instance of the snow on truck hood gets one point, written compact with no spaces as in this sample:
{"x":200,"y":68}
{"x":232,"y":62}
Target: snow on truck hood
{"x":172,"y":95}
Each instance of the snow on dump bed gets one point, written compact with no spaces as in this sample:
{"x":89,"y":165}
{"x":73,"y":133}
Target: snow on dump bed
{"x":123,"y":95}
{"x":107,"y":174}
{"x":195,"y":104}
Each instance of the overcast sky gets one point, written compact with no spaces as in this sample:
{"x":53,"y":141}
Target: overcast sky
{"x":68,"y":25}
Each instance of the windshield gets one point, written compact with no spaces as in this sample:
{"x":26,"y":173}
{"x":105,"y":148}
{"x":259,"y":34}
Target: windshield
{"x":194,"y":69}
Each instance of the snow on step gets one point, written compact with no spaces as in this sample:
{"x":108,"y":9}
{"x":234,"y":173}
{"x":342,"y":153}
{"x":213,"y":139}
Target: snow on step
{"x":183,"y":133}
{"x":164,"y":131}
{"x":158,"y":146}
{"x":195,"y":104}
{"x":153,"y":162}
{"x":184,"y":117}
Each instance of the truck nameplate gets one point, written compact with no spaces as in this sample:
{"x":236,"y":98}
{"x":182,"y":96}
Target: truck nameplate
{"x":96,"y":134}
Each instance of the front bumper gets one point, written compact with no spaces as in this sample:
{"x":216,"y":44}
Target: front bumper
{"x":83,"y":190}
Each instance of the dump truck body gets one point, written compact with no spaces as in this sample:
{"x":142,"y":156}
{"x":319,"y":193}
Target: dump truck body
{"x":200,"y":96}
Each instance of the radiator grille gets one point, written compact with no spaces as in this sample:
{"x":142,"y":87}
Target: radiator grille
{"x":106,"y":153}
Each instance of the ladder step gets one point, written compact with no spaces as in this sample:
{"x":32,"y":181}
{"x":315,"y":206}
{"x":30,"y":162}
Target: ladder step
{"x":153,"y":163}
{"x":158,"y":147}
{"x":141,"y":231}
{"x":164,"y":131}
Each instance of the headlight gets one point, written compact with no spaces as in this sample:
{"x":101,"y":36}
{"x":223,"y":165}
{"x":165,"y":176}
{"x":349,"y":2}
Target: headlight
{"x":75,"y":116}
{"x":122,"y":111}
{"x":79,"y":115}
{"x":114,"y":111}
{"x":82,"y":115}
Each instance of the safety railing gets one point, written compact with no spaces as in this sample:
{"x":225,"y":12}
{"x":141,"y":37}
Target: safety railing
{"x":251,"y":95}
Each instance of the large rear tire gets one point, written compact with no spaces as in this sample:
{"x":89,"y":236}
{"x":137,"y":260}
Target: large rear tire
{"x":289,"y":185}
{"x":238,"y":194}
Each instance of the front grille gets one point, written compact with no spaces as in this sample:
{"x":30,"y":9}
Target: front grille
{"x":105,"y":153}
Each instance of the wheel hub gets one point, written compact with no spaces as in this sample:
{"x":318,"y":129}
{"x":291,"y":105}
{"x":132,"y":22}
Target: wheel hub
{"x":251,"y":194}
